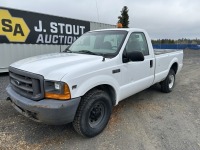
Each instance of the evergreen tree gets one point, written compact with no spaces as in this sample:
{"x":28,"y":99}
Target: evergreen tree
{"x":124,"y":18}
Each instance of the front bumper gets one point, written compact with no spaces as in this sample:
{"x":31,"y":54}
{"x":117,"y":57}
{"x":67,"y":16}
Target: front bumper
{"x":47,"y":111}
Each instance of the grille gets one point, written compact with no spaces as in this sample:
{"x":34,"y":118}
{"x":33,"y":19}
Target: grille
{"x":27,"y":84}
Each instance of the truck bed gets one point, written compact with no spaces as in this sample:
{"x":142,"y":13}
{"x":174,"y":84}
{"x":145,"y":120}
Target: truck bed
{"x":164,"y":58}
{"x":164,"y":51}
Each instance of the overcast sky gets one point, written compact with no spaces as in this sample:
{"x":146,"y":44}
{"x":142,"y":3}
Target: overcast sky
{"x":161,"y":18}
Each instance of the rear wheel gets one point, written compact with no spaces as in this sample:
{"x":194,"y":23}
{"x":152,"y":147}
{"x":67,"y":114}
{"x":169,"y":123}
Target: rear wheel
{"x":168,"y":84}
{"x":93,"y":113}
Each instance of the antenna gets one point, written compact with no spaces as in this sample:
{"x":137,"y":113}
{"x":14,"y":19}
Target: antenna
{"x":97,"y":11}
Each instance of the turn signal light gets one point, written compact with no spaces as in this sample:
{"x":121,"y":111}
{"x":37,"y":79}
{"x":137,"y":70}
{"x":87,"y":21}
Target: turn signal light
{"x":64,"y":96}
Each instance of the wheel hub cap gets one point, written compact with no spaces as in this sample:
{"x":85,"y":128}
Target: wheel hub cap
{"x":96,"y":114}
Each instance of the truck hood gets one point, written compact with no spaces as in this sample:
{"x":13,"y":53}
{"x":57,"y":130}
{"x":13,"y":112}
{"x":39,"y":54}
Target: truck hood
{"x":56,"y":65}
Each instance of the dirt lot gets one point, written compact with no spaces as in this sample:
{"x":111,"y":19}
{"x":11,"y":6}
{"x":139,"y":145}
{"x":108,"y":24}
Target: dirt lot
{"x":148,"y":120}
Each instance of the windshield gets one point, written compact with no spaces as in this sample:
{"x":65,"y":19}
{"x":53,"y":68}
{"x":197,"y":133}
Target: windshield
{"x":106,"y":43}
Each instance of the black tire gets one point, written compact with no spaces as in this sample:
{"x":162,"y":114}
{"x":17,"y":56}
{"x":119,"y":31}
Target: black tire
{"x":93,"y":113}
{"x":168,"y":84}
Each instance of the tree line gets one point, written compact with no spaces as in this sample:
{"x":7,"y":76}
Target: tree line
{"x":179,"y":41}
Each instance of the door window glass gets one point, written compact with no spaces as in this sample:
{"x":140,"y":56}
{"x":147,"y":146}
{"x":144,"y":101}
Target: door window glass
{"x":137,"y":42}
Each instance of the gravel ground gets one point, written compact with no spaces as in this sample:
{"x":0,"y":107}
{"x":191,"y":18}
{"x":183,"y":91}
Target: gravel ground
{"x":3,"y":83}
{"x":148,"y":120}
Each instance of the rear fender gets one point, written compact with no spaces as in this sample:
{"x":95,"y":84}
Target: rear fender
{"x":174,"y":60}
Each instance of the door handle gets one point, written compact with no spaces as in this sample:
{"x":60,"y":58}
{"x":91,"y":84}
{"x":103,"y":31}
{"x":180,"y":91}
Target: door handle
{"x":151,"y":63}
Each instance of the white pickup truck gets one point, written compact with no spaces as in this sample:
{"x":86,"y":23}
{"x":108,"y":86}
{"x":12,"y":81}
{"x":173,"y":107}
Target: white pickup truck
{"x":82,"y":84}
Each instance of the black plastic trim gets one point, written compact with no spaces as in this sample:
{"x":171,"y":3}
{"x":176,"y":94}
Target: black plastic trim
{"x":35,"y":78}
{"x":116,"y":71}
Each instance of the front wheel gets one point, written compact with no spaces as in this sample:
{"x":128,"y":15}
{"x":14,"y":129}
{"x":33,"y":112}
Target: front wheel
{"x":93,"y":113}
{"x":168,"y":84}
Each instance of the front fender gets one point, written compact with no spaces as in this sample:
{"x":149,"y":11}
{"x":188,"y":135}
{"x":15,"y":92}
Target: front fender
{"x":86,"y":85}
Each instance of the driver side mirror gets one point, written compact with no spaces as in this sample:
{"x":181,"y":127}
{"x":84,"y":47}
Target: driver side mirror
{"x":133,"y":56}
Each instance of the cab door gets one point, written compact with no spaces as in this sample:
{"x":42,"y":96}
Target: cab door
{"x":138,"y":75}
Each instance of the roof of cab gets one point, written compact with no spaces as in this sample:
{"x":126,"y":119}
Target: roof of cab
{"x":120,"y":29}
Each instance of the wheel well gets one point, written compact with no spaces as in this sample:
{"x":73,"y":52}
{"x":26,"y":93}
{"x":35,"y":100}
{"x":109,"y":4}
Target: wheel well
{"x":175,"y":67}
{"x":109,"y":89}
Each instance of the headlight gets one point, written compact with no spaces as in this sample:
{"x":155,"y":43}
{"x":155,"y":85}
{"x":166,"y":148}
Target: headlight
{"x":57,"y":90}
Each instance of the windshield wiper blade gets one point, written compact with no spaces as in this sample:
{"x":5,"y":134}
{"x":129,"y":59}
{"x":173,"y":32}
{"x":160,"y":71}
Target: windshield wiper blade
{"x":68,"y":51}
{"x":87,"y":52}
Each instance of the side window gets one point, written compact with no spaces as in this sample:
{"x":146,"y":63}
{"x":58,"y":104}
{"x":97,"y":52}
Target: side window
{"x":137,"y":42}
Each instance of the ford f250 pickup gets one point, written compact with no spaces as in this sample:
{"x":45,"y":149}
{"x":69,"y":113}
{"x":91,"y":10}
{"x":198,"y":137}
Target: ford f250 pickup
{"x":83,"y":83}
